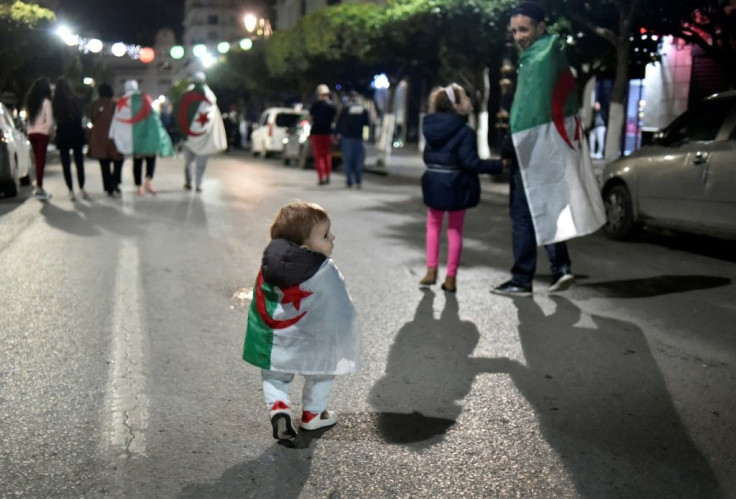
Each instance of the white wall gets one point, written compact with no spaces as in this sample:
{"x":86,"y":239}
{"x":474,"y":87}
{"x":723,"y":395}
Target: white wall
{"x":667,"y":84}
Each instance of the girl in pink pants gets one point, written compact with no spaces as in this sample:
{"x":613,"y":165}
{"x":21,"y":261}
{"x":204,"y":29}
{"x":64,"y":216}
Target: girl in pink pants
{"x":451,"y":183}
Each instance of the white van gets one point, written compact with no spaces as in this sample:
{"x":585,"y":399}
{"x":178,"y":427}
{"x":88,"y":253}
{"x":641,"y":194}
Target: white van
{"x":268,"y":136}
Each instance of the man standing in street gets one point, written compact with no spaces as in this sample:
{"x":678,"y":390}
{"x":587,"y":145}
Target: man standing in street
{"x":553,"y":193}
{"x":321,"y":115}
{"x":202,"y":129}
{"x":353,"y":117}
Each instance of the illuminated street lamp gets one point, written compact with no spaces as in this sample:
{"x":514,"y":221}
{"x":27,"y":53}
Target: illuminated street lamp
{"x":250,"y":22}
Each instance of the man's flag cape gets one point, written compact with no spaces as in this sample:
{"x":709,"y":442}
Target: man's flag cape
{"x":562,"y":192}
{"x":200,"y":121}
{"x":136,"y":127}
{"x":309,"y":328}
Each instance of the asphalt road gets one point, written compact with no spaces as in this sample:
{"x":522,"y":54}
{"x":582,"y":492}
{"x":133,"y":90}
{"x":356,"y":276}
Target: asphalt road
{"x":123,"y":322}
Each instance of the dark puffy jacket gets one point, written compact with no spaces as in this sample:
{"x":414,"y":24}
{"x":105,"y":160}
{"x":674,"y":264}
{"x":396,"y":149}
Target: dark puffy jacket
{"x":451,"y":154}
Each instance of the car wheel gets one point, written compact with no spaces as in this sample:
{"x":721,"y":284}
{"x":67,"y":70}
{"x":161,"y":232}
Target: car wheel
{"x":9,"y":189}
{"x":620,"y":222}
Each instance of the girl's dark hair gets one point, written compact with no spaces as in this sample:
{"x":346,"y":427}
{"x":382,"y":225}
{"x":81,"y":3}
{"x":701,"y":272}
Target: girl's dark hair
{"x":295,"y":221}
{"x":40,"y":90}
{"x":439,"y":101}
{"x":65,"y":104}
{"x":105,"y":90}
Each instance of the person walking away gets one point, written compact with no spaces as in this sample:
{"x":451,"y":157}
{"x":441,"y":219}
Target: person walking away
{"x":321,"y":115}
{"x":451,"y":182}
{"x":301,"y":320}
{"x":137,"y":130}
{"x":40,"y":124}
{"x":352,"y":119}
{"x":202,"y":129}
{"x":554,"y":195}
{"x":67,"y":109}
{"x":101,"y":147}
{"x":597,"y":132}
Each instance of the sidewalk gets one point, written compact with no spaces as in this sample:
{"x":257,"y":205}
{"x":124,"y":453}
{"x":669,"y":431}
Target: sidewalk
{"x":407,"y":162}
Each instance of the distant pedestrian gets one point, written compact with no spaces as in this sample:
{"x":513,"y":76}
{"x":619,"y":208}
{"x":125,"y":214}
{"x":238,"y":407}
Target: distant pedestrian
{"x":202,"y":129}
{"x":101,"y":146}
{"x":597,"y":132}
{"x":40,"y":126}
{"x":301,"y":319}
{"x":451,"y":183}
{"x":350,"y":123}
{"x":69,"y":134}
{"x":137,"y":130}
{"x":322,"y":115}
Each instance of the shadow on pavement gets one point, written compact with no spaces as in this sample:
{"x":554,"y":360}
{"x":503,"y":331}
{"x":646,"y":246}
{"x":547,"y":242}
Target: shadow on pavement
{"x":655,"y":286}
{"x":604,"y":407}
{"x":428,"y":373}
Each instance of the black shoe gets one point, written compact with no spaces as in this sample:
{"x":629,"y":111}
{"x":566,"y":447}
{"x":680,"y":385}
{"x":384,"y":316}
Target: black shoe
{"x":188,"y":187}
{"x":561,"y":281}
{"x":510,"y":288}
{"x":283,"y":429}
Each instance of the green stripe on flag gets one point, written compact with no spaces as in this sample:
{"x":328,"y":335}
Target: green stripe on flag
{"x":541,"y":68}
{"x":259,"y":337}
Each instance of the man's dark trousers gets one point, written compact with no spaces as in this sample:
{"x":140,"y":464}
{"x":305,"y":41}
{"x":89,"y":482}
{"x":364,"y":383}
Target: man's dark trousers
{"x":524,"y":241}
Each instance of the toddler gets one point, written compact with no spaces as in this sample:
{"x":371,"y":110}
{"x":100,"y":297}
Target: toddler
{"x":301,"y":319}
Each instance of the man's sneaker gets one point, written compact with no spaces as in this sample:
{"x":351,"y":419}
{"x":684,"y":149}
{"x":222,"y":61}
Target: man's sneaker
{"x":561,"y":281}
{"x":41,"y":194}
{"x":314,"y":421}
{"x":510,"y":288}
{"x":283,"y":429}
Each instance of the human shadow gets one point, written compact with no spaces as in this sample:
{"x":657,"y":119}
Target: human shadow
{"x":70,"y":221}
{"x":655,"y":286}
{"x":604,"y":407}
{"x":279,"y":473}
{"x":429,"y":370}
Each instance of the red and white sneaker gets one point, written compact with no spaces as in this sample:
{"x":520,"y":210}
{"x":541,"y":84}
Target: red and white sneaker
{"x":283,"y":428}
{"x":314,"y":421}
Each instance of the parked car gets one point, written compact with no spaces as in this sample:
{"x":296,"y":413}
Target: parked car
{"x":685,"y":181}
{"x":298,"y":148}
{"x":268,"y":136}
{"x":16,"y":157}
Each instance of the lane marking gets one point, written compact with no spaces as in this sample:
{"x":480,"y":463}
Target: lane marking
{"x":128,"y":402}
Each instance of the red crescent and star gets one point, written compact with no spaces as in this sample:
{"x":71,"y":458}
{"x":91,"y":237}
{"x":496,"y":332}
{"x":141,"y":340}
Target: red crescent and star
{"x":188,"y":99}
{"x":142,"y":113}
{"x":292,"y":294}
{"x":563,"y":88}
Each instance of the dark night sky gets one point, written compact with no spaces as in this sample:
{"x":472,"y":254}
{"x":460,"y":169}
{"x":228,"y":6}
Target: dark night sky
{"x":129,"y":21}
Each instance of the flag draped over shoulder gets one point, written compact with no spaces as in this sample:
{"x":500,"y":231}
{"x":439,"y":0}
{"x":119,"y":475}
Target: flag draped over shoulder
{"x":200,"y":121}
{"x":309,"y":328}
{"x":136,"y":127}
{"x":563,"y":195}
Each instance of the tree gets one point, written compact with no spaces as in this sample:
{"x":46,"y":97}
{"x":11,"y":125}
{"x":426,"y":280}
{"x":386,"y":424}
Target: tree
{"x":23,"y":41}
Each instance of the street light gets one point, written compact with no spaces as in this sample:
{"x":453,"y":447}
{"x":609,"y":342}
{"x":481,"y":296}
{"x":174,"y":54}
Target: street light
{"x":250,"y":22}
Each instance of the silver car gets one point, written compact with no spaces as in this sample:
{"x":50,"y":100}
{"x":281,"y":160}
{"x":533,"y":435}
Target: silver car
{"x":685,"y":181}
{"x":16,"y":161}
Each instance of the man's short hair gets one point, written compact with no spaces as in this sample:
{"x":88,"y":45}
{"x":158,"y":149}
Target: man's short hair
{"x":529,"y":9}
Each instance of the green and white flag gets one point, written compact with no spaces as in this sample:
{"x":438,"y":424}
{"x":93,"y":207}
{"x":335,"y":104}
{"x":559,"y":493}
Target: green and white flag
{"x":200,"y":121}
{"x":562,"y":192}
{"x":309,"y":328}
{"x":136,"y":127}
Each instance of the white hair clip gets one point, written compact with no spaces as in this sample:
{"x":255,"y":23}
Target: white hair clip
{"x":450,"y":93}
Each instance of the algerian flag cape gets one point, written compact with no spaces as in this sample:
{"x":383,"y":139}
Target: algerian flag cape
{"x":200,"y":121}
{"x":563,"y":195}
{"x":136,"y":127}
{"x":309,"y":328}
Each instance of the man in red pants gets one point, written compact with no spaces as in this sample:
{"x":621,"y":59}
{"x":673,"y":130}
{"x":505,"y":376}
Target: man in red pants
{"x":322,"y":114}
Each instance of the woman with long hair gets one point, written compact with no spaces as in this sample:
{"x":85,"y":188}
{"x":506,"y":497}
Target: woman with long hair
{"x":101,"y":146}
{"x":69,"y":133}
{"x":40,"y":125}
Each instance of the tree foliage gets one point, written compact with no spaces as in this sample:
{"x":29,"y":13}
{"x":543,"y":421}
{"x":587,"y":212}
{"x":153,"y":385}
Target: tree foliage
{"x":23,"y":42}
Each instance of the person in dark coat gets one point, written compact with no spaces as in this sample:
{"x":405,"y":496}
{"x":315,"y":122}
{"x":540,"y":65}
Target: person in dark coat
{"x":451,"y":182}
{"x":67,"y":108}
{"x":101,"y":146}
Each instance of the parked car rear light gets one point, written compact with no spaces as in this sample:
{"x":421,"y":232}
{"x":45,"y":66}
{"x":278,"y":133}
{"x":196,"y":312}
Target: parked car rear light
{"x":270,"y":129}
